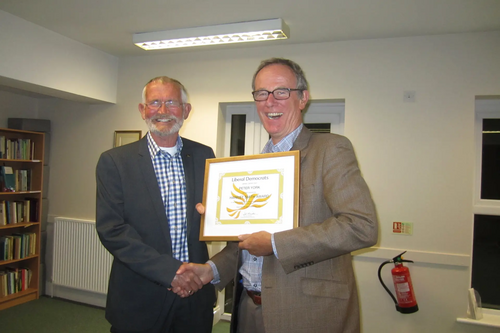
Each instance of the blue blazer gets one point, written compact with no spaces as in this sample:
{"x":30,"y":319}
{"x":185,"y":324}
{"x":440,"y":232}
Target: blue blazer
{"x":133,"y":227}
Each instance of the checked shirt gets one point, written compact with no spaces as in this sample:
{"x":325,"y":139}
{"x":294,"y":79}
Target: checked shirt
{"x":169,"y":172}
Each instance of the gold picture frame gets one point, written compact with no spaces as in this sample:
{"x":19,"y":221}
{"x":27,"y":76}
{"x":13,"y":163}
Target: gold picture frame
{"x":125,"y":137}
{"x":247,"y":194}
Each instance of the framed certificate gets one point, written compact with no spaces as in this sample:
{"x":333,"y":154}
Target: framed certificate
{"x":247,"y":194}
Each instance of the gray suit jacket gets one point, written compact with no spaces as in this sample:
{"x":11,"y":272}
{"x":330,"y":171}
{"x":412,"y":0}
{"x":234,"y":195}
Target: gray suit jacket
{"x":132,"y":225}
{"x":311,"y":287}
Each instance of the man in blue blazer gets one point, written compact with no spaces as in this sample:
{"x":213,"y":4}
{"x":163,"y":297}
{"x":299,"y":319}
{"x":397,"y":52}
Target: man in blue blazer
{"x":145,"y":217}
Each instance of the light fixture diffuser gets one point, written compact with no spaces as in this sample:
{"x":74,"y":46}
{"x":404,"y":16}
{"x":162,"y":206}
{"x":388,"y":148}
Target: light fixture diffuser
{"x":255,"y":31}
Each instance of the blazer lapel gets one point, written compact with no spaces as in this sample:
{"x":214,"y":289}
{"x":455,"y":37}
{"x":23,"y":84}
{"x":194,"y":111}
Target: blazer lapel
{"x":189,"y":174}
{"x":302,"y":142}
{"x":145,"y":165}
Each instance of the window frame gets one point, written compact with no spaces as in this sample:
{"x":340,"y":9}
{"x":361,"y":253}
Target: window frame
{"x":485,"y":109}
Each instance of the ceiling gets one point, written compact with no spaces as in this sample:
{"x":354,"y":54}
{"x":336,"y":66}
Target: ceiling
{"x":108,"y":25}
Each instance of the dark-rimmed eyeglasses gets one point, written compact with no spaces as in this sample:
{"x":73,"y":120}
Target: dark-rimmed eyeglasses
{"x":171,"y":105}
{"x":280,"y":94}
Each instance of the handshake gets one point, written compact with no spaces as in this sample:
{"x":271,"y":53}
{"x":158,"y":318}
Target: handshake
{"x":190,"y":278}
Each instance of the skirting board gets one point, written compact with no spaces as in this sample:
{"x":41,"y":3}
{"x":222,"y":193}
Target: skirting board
{"x":76,"y":295}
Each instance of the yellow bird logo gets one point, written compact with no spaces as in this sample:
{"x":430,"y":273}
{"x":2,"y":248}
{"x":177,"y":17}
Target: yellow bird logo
{"x":245,"y":201}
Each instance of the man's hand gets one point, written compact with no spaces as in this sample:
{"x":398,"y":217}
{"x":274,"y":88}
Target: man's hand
{"x":200,"y":208}
{"x":186,"y":282}
{"x":258,"y":244}
{"x":201,"y":273}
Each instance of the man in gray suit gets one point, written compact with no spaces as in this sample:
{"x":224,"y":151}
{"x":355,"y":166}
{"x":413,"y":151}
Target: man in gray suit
{"x":146,"y":218}
{"x":299,"y":280}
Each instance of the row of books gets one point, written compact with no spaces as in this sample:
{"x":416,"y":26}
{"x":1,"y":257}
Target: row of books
{"x":18,"y":211}
{"x":16,"y":149}
{"x":17,"y":246}
{"x":15,"y":180}
{"x":13,"y":280}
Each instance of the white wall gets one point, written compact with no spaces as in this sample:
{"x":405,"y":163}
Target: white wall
{"x":39,"y":60}
{"x":418,"y":158}
{"x":16,"y":106}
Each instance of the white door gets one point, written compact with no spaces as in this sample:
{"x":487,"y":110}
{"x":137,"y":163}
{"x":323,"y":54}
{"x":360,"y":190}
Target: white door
{"x":251,"y":132}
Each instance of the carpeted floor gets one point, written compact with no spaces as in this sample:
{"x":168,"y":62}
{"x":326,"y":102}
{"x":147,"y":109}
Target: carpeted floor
{"x":51,"y":315}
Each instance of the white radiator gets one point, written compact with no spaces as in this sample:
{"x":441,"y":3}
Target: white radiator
{"x":79,"y":259}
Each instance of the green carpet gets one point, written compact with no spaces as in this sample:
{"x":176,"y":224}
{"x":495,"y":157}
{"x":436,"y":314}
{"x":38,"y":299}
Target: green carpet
{"x":51,"y":315}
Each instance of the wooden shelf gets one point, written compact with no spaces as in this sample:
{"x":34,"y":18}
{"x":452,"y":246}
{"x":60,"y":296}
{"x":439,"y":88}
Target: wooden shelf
{"x":19,"y":225}
{"x":21,"y":297}
{"x":32,"y":197}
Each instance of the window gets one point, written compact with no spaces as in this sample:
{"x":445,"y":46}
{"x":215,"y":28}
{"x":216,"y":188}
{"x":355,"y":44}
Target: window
{"x":237,"y":139}
{"x":486,"y":238}
{"x":486,"y":259}
{"x":490,"y":164}
{"x":319,"y":128}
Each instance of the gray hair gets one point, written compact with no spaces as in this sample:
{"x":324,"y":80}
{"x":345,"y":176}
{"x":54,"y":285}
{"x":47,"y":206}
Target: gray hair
{"x":297,"y":71}
{"x":166,"y":79}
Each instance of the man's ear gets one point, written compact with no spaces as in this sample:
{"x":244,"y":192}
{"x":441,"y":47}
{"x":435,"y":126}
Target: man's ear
{"x":142,"y":111}
{"x":187,"y":110}
{"x":304,"y":99}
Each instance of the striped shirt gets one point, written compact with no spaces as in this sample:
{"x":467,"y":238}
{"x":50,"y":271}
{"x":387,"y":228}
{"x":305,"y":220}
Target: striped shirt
{"x":251,"y":268}
{"x":169,"y":170}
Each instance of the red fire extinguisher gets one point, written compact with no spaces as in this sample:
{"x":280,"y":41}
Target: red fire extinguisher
{"x":406,"y":301}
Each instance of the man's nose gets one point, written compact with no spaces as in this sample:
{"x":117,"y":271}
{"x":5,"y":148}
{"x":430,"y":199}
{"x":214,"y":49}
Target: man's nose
{"x":163,"y":108}
{"x":270,"y":99}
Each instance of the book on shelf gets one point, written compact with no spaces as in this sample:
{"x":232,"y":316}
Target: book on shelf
{"x":19,"y":211}
{"x":2,"y":147}
{"x":7,"y":247}
{"x":21,"y":177}
{"x":18,"y":246}
{"x":26,"y":210}
{"x":4,"y":248}
{"x":3,"y":216}
{"x":11,"y":212}
{"x":3,"y":283}
{"x":19,"y":149}
{"x":9,"y":181}
{"x":24,"y":180}
{"x":32,"y":243}
{"x":24,"y":239}
{"x":14,"y":279}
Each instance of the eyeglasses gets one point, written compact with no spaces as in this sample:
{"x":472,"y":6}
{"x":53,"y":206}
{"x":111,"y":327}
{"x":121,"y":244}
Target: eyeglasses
{"x":171,"y":105}
{"x":280,"y":93}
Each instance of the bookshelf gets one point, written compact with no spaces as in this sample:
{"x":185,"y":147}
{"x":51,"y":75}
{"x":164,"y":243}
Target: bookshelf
{"x":21,"y":182}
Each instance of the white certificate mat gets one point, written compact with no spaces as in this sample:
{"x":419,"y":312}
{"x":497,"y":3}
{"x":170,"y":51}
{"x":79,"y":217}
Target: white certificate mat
{"x":247,"y":194}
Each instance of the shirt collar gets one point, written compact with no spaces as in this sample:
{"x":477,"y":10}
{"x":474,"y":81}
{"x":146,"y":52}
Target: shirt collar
{"x":285,"y":144}
{"x":154,"y":148}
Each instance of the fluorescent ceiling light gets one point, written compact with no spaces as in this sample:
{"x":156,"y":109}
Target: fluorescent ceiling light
{"x":255,"y":31}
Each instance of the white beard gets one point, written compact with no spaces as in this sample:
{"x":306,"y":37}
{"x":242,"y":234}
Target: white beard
{"x":178,"y":122}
